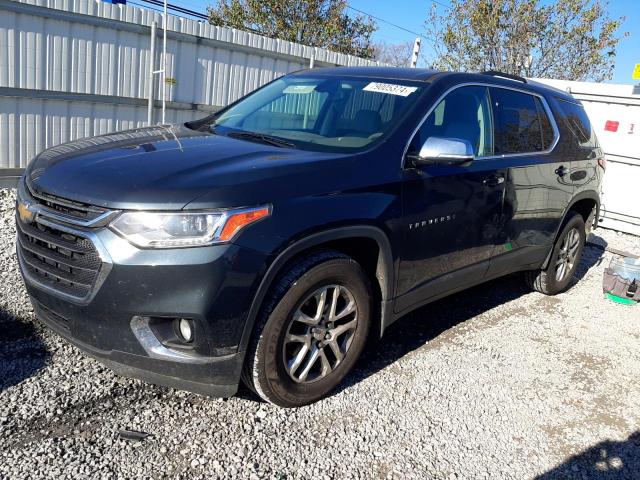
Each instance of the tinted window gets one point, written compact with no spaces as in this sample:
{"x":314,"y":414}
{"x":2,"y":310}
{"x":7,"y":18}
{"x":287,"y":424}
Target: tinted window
{"x":578,"y":123}
{"x":548,"y":134}
{"x":518,"y":126}
{"x":362,"y":100}
{"x":464,"y":114}
{"x":293,"y":110}
{"x":337,"y":114}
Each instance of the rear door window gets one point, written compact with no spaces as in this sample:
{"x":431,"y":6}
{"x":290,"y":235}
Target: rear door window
{"x":521,"y":123}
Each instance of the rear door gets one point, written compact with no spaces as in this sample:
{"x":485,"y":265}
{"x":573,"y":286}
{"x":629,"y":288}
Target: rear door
{"x":585,"y":175}
{"x":538,"y":187}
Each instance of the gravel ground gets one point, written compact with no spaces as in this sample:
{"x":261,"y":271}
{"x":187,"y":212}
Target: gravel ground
{"x":495,"y":382}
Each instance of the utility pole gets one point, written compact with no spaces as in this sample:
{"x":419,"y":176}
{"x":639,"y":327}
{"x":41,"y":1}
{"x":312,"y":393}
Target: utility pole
{"x":152,"y":61}
{"x":162,"y":70}
{"x":416,"y":52}
{"x":164,"y":62}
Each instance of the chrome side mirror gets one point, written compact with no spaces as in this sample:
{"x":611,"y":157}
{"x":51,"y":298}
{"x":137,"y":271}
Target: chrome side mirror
{"x":443,"y":151}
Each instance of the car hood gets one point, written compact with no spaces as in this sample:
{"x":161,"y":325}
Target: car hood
{"x":169,"y":167}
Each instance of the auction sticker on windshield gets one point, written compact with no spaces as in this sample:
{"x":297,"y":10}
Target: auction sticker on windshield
{"x":390,"y":88}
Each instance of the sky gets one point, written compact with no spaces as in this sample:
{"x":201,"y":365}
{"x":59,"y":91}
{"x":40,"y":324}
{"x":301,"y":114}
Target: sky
{"x":411,"y":14}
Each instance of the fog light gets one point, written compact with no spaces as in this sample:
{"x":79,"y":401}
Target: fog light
{"x":185,"y":327}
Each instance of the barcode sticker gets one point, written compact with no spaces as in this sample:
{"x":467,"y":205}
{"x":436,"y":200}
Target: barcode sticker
{"x":391,"y":88}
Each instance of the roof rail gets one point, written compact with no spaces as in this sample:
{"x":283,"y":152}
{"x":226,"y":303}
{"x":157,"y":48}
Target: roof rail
{"x":496,"y":73}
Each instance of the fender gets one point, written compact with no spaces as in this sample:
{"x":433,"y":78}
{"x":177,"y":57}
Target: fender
{"x":586,"y":194}
{"x":384,"y":271}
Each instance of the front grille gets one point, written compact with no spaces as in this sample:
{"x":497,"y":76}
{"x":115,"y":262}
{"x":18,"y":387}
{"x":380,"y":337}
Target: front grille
{"x":65,"y":262}
{"x":67,"y":207}
{"x":58,"y":257}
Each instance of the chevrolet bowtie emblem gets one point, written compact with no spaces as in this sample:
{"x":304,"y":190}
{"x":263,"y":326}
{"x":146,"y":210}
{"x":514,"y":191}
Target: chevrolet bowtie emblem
{"x":25,"y":214}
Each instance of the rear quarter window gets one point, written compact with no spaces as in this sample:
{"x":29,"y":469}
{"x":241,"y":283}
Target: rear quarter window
{"x":578,"y":123}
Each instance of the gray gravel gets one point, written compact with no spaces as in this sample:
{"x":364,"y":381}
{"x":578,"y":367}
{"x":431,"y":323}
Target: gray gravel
{"x":495,"y":382}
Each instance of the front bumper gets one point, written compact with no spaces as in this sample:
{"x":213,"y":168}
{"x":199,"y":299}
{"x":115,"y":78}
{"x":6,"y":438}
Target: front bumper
{"x":213,"y":286}
{"x":218,"y":377}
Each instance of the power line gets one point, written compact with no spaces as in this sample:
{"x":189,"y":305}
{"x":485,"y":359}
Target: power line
{"x":148,"y":7}
{"x":202,"y":16}
{"x":441,"y":4}
{"x":395,"y":24}
{"x":178,"y":9}
{"x":187,"y":11}
{"x":385,"y":21}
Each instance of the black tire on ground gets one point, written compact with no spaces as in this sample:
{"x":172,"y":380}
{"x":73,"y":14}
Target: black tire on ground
{"x":267,"y":371}
{"x":548,"y":280}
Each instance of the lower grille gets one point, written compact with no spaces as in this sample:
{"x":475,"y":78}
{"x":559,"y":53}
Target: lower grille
{"x":65,"y":262}
{"x":51,"y":317}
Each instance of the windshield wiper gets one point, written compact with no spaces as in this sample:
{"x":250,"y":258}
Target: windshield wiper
{"x":268,"y":139}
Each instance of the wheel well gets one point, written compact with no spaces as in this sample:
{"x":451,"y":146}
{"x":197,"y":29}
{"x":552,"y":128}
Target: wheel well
{"x":366,"y":252}
{"x":584,"y":207}
{"x":368,"y":245}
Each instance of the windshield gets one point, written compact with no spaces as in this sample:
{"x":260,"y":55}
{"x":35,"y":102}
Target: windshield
{"x":321,"y":114}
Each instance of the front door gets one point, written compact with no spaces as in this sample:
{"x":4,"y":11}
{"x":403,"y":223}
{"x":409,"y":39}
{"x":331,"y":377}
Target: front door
{"x":452,"y":214}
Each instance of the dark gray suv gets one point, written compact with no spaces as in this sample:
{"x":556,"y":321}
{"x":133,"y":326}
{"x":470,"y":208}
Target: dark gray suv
{"x":268,"y":241}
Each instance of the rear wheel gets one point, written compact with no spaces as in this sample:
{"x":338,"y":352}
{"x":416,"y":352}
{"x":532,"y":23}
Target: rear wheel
{"x":311,"y":331}
{"x":565,"y":257}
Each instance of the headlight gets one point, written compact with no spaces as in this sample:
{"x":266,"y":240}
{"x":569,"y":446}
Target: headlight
{"x":184,"y":229}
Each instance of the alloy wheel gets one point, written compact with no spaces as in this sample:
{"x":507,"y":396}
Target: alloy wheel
{"x":568,"y":254}
{"x":320,"y":333}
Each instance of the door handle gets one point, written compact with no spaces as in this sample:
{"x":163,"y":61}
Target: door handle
{"x":493,"y":180}
{"x":562,"y":170}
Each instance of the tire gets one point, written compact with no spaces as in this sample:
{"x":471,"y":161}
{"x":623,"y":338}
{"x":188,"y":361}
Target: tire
{"x":553,"y":280}
{"x":283,"y":343}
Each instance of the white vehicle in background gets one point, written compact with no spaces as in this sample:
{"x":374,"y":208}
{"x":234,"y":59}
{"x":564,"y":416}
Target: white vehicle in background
{"x":614,"y":111}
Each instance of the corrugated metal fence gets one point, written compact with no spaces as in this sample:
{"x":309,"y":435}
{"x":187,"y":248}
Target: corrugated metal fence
{"x":76,"y":68}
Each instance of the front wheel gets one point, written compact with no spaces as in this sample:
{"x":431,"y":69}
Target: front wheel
{"x":564,"y":259}
{"x":311,"y":332}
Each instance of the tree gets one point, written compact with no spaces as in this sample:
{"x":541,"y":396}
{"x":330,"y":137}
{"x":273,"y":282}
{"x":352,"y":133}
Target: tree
{"x":566,"y":39}
{"x":317,"y":23}
{"x":394,"y":54}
